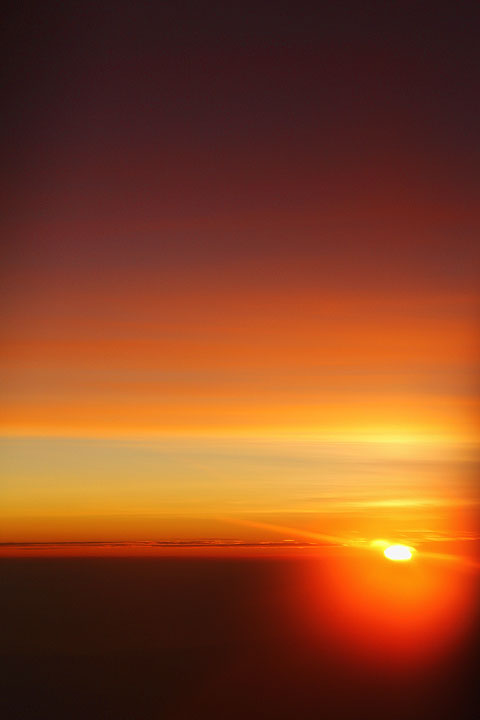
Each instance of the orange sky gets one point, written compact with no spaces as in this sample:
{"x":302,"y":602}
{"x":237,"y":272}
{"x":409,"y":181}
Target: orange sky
{"x":240,"y":280}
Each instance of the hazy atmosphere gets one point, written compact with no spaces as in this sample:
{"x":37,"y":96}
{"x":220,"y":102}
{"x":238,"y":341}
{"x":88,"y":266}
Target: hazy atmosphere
{"x":240,"y":359}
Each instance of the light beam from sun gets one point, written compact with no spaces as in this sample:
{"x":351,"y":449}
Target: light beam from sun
{"x":400,"y":553}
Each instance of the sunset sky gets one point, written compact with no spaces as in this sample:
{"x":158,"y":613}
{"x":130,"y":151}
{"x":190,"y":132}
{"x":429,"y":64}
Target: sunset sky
{"x":240,"y":274}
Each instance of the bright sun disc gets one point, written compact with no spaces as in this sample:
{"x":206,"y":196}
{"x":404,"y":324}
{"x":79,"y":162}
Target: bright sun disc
{"x":398,"y":552}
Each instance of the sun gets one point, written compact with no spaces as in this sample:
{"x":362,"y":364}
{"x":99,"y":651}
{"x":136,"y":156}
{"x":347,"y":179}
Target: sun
{"x":398,"y":552}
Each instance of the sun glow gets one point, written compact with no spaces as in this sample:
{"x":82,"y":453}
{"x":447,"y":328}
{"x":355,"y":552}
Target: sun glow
{"x":398,"y":552}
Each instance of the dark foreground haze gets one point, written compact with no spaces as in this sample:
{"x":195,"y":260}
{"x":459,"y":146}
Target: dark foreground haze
{"x":200,"y":638}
